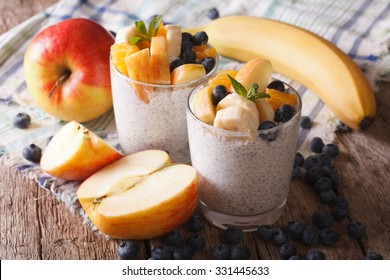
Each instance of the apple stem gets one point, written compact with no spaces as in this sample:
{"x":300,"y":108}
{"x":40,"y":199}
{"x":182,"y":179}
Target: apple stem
{"x":58,"y":82}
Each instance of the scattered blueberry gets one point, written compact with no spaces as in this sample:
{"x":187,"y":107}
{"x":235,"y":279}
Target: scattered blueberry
{"x":32,"y":153}
{"x":356,"y":229}
{"x":183,"y":253}
{"x":200,"y":38}
{"x":195,"y":223}
{"x":287,"y":250}
{"x":240,"y":252}
{"x":322,"y":184}
{"x":373,"y":256}
{"x":281,"y":236}
{"x":338,"y":213}
{"x":329,"y":236}
{"x":327,"y":196}
{"x":213,"y":13}
{"x":185,"y":36}
{"x":268,"y":136}
{"x":333,"y":175}
{"x":295,"y":228}
{"x":233,"y":235}
{"x":305,"y":122}
{"x":331,"y":149}
{"x":316,"y":145}
{"x":296,"y":173}
{"x":208,"y":63}
{"x":322,"y":219}
{"x":341,"y":202}
{"x":265,"y":232}
{"x":175,"y":63}
{"x":295,"y":257}
{"x":314,"y":173}
{"x":325,"y":159}
{"x":128,"y":249}
{"x":186,"y":46}
{"x":312,"y":161}
{"x":219,"y":93}
{"x":21,"y":120}
{"x":276,"y":84}
{"x":174,"y":238}
{"x":188,"y":56}
{"x":299,"y":159}
{"x":315,"y":255}
{"x":284,"y":113}
{"x":221,"y":252}
{"x":196,"y":241}
{"x":162,"y":252}
{"x":310,"y":236}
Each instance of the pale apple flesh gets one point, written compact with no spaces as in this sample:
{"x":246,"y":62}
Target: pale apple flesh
{"x":186,"y":73}
{"x":67,"y":70}
{"x":257,"y":71}
{"x":203,"y":106}
{"x":161,"y":196}
{"x":75,"y":153}
{"x":159,"y":62}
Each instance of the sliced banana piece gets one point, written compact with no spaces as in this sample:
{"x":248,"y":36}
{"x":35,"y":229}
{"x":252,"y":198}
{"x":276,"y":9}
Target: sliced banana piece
{"x":239,"y":100}
{"x":173,"y":37}
{"x":236,"y":118}
{"x":266,"y":113}
{"x":125,"y":33}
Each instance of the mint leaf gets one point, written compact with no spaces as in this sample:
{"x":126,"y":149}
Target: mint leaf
{"x":135,"y":40}
{"x":239,"y":88}
{"x":154,"y":24}
{"x":141,"y":27}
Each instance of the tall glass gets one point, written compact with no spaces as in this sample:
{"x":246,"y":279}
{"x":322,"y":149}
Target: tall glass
{"x":244,"y":177}
{"x":150,"y":116}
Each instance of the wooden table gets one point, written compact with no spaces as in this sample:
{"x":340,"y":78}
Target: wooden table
{"x":34,"y":225}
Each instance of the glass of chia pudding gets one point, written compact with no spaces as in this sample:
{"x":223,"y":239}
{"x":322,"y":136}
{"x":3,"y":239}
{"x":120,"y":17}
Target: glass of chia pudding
{"x":244,"y":166}
{"x":153,"y":70}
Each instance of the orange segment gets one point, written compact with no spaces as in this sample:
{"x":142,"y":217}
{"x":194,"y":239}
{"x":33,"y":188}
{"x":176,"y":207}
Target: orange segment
{"x":222,"y":79}
{"x":279,"y":98}
{"x":118,"y":53}
{"x":203,"y":51}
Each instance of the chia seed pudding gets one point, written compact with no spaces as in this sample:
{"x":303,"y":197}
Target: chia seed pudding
{"x":244,"y":178}
{"x":159,"y":124}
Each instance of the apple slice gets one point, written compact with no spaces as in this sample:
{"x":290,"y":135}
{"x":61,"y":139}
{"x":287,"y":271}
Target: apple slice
{"x":75,"y":153}
{"x":174,"y":38}
{"x":186,"y":73}
{"x":257,"y":71}
{"x":203,"y":106}
{"x":159,"y":64}
{"x":140,"y":196}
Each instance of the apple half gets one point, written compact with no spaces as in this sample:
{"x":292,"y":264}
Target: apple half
{"x":140,"y":196}
{"x":75,"y":153}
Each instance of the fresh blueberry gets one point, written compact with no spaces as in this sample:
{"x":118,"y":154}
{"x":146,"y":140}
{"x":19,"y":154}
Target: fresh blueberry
{"x":333,"y":175}
{"x":341,"y":202}
{"x":373,"y":256}
{"x":295,"y":228}
{"x":327,"y":196}
{"x":316,"y":145}
{"x":240,"y":252}
{"x":186,"y":46}
{"x":265,"y":232}
{"x":175,"y":63}
{"x":270,"y":135}
{"x":188,"y":56}
{"x":233,"y":235}
{"x":287,"y":250}
{"x":284,"y":113}
{"x":182,"y":253}
{"x":213,"y":13}
{"x":196,"y":241}
{"x":310,"y":236}
{"x":296,"y":173}
{"x":162,"y":252}
{"x":128,"y":249}
{"x":281,"y":236}
{"x":21,"y":120}
{"x":342,"y":127}
{"x":321,"y":219}
{"x":322,"y":184}
{"x":299,"y":159}
{"x":331,"y":149}
{"x":356,"y":229}
{"x":338,"y":213}
{"x":305,"y":122}
{"x":329,"y":236}
{"x":32,"y":153}
{"x":208,"y":64}
{"x":219,"y":93}
{"x":276,"y":84}
{"x":200,"y":38}
{"x":315,"y":255}
{"x":295,"y":257}
{"x":174,"y":238}
{"x":221,"y":252}
{"x":195,"y":223}
{"x":325,"y":159}
{"x":312,"y":161}
{"x":314,"y":173}
{"x":185,"y":36}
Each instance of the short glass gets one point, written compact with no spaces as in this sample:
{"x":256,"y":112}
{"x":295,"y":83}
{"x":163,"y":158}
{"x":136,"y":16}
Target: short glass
{"x":150,"y":116}
{"x":244,"y":177}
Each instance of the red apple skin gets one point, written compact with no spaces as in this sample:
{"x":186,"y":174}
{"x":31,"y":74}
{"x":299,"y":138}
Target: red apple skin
{"x":77,"y":50}
{"x":149,"y":223}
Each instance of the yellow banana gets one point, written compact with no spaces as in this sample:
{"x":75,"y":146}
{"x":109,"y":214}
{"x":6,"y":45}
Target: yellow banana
{"x":302,"y":56}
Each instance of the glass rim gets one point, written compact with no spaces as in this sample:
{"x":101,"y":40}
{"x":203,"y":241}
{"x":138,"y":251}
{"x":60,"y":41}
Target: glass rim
{"x":225,"y":132}
{"x":208,"y":75}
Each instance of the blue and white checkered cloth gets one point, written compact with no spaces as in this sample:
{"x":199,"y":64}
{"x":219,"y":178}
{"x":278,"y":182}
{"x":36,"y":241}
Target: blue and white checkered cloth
{"x":361,"y":28}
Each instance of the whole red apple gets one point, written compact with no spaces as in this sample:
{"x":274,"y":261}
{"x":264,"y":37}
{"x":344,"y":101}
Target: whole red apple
{"x":67,"y":70}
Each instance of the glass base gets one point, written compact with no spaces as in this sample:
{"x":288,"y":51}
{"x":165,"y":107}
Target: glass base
{"x":247,"y":223}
